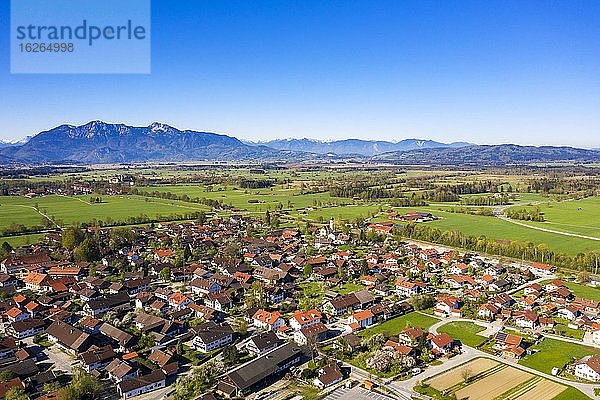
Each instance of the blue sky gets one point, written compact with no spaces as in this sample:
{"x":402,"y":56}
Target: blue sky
{"x":526,"y":72}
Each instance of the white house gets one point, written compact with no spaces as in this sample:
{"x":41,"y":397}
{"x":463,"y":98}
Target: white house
{"x":142,"y":384}
{"x":268,"y":320}
{"x":588,"y":368}
{"x":211,"y":336}
{"x":302,"y":319}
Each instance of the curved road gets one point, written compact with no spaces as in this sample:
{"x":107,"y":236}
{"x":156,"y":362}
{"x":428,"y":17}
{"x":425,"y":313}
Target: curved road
{"x":498,"y":213}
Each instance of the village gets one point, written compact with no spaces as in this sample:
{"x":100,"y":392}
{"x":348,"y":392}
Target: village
{"x":229,"y":307}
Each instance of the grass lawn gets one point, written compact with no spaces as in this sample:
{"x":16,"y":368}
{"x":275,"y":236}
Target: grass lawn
{"x":464,"y":331}
{"x":563,"y":329}
{"x":571,"y":394}
{"x":347,"y":287}
{"x":555,"y":353}
{"x":395,"y":325}
{"x":23,"y":240}
{"x":584,"y":291}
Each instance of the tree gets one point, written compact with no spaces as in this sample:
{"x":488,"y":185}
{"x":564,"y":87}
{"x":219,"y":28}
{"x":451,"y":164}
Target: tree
{"x":583,"y":277}
{"x":6,"y":375}
{"x":71,"y":237}
{"x":231,"y":355}
{"x":146,"y":341}
{"x":88,"y":250}
{"x":422,"y":302}
{"x":187,"y":253}
{"x":6,"y":249}
{"x":82,"y":387}
{"x":191,"y":386}
{"x":165,"y":274}
{"x":466,"y":374}
{"x":16,"y":393}
{"x":240,"y":326}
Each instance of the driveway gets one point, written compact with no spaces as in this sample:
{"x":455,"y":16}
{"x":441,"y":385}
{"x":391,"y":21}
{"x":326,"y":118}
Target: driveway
{"x":62,"y":361}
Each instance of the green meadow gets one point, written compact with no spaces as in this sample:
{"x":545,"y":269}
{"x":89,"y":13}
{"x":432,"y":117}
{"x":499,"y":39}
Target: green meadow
{"x":573,"y":216}
{"x":496,"y":228}
{"x":69,"y":210}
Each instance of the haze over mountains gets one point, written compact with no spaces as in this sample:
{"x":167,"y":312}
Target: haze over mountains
{"x":354,"y":146}
{"x":98,"y":142}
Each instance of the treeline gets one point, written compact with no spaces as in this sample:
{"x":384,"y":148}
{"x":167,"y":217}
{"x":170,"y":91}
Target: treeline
{"x":22,"y":187}
{"x":584,"y":186}
{"x":587,"y":261}
{"x":20,"y":229}
{"x":255,"y":183}
{"x":141,"y":219}
{"x":413,"y":201}
{"x":488,"y":212}
{"x":361,"y":191}
{"x":525,"y":214}
{"x":477,"y":187}
{"x":497,"y":200}
{"x":441,"y":195}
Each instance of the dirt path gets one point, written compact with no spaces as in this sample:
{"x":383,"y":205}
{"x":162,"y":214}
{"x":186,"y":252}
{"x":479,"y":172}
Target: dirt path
{"x":39,"y":212}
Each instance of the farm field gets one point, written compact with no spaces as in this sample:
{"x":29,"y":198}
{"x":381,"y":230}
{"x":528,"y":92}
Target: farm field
{"x":572,"y":216}
{"x":395,"y":325}
{"x":493,"y":385}
{"x":464,"y":331}
{"x":489,"y":380}
{"x":259,"y":200}
{"x":447,"y":380}
{"x":555,"y":353}
{"x":22,"y":210}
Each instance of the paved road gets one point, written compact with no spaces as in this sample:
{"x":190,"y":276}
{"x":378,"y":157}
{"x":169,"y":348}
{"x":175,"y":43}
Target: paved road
{"x":538,"y":280}
{"x":356,"y":393}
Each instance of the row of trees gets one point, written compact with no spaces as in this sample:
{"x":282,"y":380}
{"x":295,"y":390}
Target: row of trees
{"x":497,"y":200}
{"x":587,"y":261}
{"x":488,"y":212}
{"x":525,"y":214}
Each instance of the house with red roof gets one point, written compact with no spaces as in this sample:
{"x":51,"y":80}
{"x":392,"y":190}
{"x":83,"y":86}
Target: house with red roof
{"x":271,"y":321}
{"x":302,"y":319}
{"x":178,"y":301}
{"x":361,"y":319}
{"x":442,"y":344}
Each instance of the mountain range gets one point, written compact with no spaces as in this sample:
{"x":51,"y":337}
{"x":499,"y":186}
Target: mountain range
{"x":99,"y":142}
{"x":354,"y":146}
{"x":497,"y":155}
